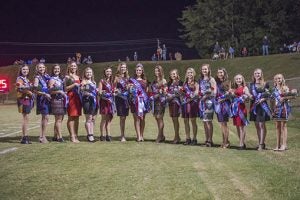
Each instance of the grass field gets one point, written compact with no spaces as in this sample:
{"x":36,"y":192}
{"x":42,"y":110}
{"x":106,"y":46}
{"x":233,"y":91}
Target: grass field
{"x":145,"y":170}
{"x":148,"y":170}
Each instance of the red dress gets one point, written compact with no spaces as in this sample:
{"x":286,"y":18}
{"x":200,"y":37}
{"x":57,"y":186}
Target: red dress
{"x":237,"y":121}
{"x":107,"y":101}
{"x":74,"y":107}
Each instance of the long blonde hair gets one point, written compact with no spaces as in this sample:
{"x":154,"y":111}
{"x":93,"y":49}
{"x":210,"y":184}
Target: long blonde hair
{"x":119,"y":74}
{"x":84,"y":76}
{"x":235,"y":86}
{"x":283,"y":87}
{"x":261,"y":80}
{"x":186,"y":73}
{"x":162,"y":76}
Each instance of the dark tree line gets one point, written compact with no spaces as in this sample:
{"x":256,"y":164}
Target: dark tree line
{"x":240,"y":23}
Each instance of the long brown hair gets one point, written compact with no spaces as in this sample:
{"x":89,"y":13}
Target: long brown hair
{"x":104,"y":74}
{"x":176,"y":71}
{"x":262,"y":80}
{"x":209,"y":71}
{"x":119,"y":74}
{"x":143,"y":73}
{"x":162,"y":76}
{"x":20,"y":70}
{"x":52,"y":71}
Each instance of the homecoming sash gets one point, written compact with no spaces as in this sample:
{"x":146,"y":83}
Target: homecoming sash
{"x":108,"y":96}
{"x":161,"y":97}
{"x":123,"y":92}
{"x":282,"y":106}
{"x":59,"y":86}
{"x":173,"y":95}
{"x":258,"y":97}
{"x":75,"y":89}
{"x":236,"y":111}
{"x":26,"y":86}
{"x":205,"y":89}
{"x":43,"y":87}
{"x":92,"y":91}
{"x":140,"y":98}
{"x":223,"y":107}
{"x":188,"y":95}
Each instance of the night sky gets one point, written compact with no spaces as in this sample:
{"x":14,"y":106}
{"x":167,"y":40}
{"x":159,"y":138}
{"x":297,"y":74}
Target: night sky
{"x":132,"y":25}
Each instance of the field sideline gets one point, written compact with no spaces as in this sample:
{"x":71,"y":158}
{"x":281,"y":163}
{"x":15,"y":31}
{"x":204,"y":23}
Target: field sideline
{"x":145,"y":170}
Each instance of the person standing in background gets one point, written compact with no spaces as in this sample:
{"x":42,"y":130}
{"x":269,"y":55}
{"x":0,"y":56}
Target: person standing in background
{"x":265,"y":46}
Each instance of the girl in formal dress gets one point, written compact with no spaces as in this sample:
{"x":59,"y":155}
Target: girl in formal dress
{"x":222,"y":104}
{"x":72,"y":86}
{"x":281,"y":95}
{"x":239,"y":111}
{"x":158,"y":98}
{"x":107,"y":103}
{"x":58,"y":101}
{"x":260,"y":111}
{"x":174,"y":100}
{"x":122,"y":95}
{"x":25,"y":100}
{"x":190,"y":105}
{"x":139,"y":101}
{"x":89,"y":102}
{"x":208,"y":90}
{"x":43,"y":98}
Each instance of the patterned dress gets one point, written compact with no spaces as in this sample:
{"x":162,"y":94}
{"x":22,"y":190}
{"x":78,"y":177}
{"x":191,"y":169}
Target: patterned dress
{"x":189,"y":105}
{"x":122,"y":102}
{"x":58,"y":101}
{"x":75,"y":106}
{"x":174,"y":102}
{"x":281,"y":110}
{"x":89,"y":98}
{"x":107,"y":104}
{"x":206,"y":106}
{"x":158,"y":103}
{"x":43,"y":105}
{"x":259,"y":112}
{"x":222,"y":109}
{"x":24,"y":101}
{"x":139,"y":101}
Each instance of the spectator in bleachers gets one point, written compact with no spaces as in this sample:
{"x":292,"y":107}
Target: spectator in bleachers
{"x":171,"y":56}
{"x":89,"y":60}
{"x":231,"y":52}
{"x":159,"y":53}
{"x":135,"y":56}
{"x":222,"y":53}
{"x":178,"y":56}
{"x":217,"y":48}
{"x":244,"y":52}
{"x":153,"y":58}
{"x":265,"y":46}
{"x":164,"y":52}
{"x":42,"y":60}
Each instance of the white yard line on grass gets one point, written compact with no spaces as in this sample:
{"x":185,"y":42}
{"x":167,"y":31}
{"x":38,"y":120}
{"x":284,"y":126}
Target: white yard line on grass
{"x":15,"y":133}
{"x":8,"y":150}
